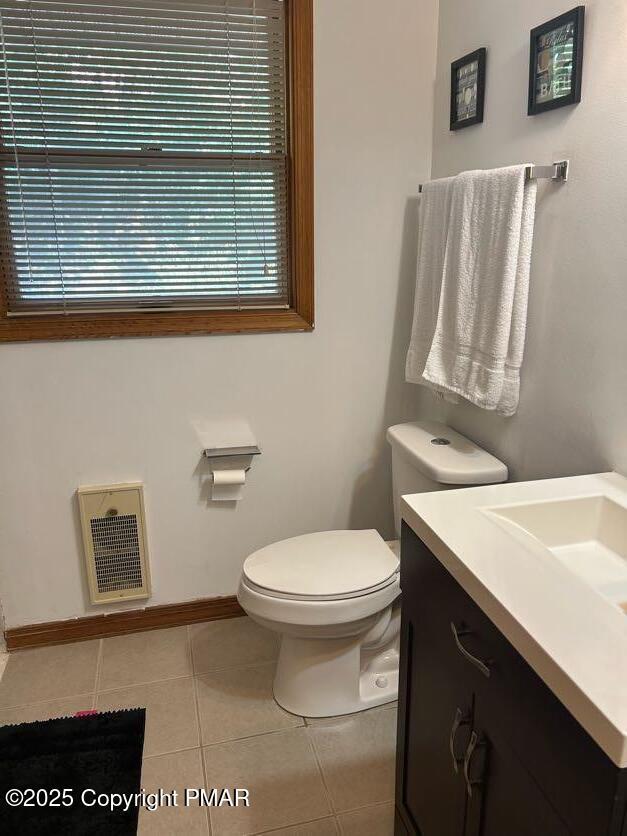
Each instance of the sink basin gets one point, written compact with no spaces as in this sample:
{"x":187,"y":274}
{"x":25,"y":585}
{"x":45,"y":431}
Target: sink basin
{"x":588,"y":535}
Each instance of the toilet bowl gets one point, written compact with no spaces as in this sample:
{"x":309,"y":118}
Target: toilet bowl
{"x":334,"y":596}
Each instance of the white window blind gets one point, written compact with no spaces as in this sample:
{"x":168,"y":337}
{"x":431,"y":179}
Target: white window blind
{"x":144,"y":154}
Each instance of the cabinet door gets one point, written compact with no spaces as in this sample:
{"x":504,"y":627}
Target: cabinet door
{"x":502,"y":796}
{"x":435,"y":715}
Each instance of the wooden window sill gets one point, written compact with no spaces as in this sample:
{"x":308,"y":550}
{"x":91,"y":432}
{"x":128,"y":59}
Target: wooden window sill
{"x":154,"y":324}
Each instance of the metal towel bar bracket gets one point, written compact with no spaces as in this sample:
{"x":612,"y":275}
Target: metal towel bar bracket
{"x":556,"y":171}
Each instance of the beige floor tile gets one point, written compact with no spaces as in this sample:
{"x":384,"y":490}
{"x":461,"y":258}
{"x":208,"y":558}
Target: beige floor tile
{"x":369,"y":821}
{"x":48,"y":673}
{"x":321,"y":827}
{"x":144,"y":657}
{"x":66,"y":707}
{"x":239,"y":703}
{"x":326,"y":721}
{"x":357,"y":757}
{"x":178,"y":771}
{"x":230,"y":643}
{"x":170,"y":713}
{"x":281,"y":774}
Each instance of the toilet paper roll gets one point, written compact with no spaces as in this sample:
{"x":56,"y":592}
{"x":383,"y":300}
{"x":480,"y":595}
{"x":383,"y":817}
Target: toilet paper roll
{"x":228,"y":484}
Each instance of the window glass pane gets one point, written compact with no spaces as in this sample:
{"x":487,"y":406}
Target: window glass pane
{"x":88,"y":234}
{"x":195,"y":93}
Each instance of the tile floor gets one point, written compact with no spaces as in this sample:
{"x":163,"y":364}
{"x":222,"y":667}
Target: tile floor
{"x":211,"y":721}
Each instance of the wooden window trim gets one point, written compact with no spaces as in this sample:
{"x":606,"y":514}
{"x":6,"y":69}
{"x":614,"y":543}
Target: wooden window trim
{"x":298,"y":317}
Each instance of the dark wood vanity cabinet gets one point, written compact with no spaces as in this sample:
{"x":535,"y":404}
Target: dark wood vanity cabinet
{"x":484,"y":746}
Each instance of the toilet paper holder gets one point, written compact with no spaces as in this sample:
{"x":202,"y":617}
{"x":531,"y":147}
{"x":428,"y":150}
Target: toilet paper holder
{"x":229,"y":468}
{"x":226,"y":452}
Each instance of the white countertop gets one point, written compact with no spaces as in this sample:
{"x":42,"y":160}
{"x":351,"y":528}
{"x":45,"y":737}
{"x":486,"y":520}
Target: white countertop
{"x":573,"y":638}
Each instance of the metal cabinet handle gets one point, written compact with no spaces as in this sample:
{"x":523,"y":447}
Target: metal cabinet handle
{"x":473,"y":744}
{"x":458,"y":720}
{"x":478,"y":663}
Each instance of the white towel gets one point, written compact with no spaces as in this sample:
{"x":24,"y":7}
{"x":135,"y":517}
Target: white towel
{"x":433,"y":221}
{"x":472,"y":287}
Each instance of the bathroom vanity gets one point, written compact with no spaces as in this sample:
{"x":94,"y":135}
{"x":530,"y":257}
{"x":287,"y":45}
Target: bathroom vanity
{"x":513,"y":682}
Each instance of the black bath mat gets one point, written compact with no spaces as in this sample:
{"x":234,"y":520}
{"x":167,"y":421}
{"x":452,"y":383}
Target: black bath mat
{"x":99,"y":753}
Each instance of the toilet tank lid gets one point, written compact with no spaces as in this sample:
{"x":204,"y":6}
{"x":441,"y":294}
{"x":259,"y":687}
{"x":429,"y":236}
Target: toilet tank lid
{"x":458,"y":462}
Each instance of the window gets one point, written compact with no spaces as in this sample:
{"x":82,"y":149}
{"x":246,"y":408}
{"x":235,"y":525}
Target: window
{"x":156,"y":167}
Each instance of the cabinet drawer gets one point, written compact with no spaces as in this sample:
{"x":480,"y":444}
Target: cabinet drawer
{"x":575,"y":775}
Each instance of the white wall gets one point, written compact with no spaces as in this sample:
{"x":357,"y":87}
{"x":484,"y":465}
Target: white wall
{"x":573,"y":407}
{"x":110,"y":411}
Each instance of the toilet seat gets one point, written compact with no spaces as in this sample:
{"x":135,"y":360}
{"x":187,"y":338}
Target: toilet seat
{"x":325,"y":566}
{"x":294,"y":597}
{"x":295,"y":614}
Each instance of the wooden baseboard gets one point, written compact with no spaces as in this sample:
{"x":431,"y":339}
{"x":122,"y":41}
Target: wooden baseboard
{"x":118,"y":623}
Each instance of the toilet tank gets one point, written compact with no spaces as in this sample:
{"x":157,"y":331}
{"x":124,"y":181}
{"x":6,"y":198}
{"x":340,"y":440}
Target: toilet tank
{"x":428,"y":456}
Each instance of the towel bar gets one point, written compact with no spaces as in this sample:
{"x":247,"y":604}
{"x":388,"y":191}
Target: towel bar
{"x":557,"y":172}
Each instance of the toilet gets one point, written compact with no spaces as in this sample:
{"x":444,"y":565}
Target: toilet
{"x":334,"y":596}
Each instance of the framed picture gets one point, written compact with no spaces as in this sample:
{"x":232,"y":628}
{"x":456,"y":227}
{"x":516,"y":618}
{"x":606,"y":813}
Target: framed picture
{"x":556,"y":61}
{"x":468,"y":89}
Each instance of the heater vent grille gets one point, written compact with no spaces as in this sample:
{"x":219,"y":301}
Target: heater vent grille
{"x":117,"y":557}
{"x":115,"y":549}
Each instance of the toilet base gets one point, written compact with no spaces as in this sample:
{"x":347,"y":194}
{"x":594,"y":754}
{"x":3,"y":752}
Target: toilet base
{"x":329,"y":677}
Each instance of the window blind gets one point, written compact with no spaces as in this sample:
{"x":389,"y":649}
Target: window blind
{"x":144,"y":154}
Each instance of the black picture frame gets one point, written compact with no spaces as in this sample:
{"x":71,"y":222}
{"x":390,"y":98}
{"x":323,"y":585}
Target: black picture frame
{"x":575,"y":17}
{"x":479,"y":56}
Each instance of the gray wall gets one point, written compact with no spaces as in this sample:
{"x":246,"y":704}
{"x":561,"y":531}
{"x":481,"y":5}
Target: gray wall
{"x":318,"y":404}
{"x":573,"y":407}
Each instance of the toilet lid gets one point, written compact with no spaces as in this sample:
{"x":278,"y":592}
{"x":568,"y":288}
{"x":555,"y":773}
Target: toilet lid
{"x":327,"y":564}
